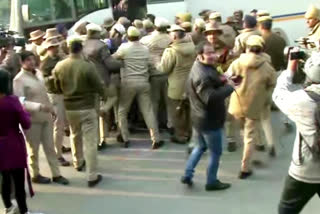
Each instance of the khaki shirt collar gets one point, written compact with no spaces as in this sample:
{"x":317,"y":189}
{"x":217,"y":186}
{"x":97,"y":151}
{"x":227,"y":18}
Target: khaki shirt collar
{"x":314,"y":29}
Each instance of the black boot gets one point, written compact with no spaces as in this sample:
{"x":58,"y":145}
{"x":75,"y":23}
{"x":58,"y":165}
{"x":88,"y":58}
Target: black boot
{"x":95,"y":182}
{"x":60,"y":180}
{"x":245,"y":175}
{"x":102,"y":146}
{"x":63,"y":162}
{"x":41,"y":180}
{"x":232,"y":146}
{"x":186,"y":181}
{"x":157,"y":145}
{"x":217,"y":186}
{"x":81,"y":168}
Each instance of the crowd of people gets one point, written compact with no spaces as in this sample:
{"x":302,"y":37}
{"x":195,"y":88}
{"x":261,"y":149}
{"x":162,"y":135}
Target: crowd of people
{"x":188,"y":78}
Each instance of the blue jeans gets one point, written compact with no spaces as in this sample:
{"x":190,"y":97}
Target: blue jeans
{"x":211,"y":140}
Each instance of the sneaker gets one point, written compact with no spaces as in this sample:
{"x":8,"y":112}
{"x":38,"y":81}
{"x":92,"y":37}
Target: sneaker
{"x":232,"y":146}
{"x":102,"y":146}
{"x":157,"y":145}
{"x":63,"y":162}
{"x":217,"y":186}
{"x":244,"y":175}
{"x":187,"y":181}
{"x":41,"y":180}
{"x":65,"y":149}
{"x":95,"y":182}
{"x":60,"y":180}
{"x":260,"y":148}
{"x":12,"y":210}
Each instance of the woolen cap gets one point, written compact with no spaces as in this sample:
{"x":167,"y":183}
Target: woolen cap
{"x":312,"y":12}
{"x":133,"y":32}
{"x":264,"y":18}
{"x":175,"y":27}
{"x":215,"y":15}
{"x":147,"y":24}
{"x":255,"y":40}
{"x":93,"y":27}
{"x":200,"y":23}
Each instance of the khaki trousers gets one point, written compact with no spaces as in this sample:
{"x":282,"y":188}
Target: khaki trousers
{"x":159,"y":95}
{"x":112,"y":93}
{"x":231,"y":125}
{"x":250,"y":138}
{"x":128,"y":91}
{"x":181,"y":120}
{"x":265,"y":128}
{"x":41,"y":133}
{"x":84,"y":132}
{"x":59,"y":122}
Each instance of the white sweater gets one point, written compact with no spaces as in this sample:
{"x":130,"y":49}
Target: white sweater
{"x":303,"y":110}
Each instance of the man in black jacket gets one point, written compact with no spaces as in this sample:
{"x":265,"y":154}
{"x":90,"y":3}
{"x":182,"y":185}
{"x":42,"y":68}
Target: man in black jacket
{"x":207,"y":91}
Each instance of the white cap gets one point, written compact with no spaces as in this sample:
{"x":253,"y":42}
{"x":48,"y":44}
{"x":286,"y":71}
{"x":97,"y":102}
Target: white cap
{"x":161,"y":22}
{"x":175,"y":27}
{"x":120,"y":28}
{"x":93,"y":27}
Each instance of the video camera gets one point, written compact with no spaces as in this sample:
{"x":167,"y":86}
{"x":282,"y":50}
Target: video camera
{"x":11,"y":38}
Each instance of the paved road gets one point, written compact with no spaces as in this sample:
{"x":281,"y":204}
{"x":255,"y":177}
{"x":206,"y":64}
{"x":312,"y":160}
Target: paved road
{"x":140,"y":181}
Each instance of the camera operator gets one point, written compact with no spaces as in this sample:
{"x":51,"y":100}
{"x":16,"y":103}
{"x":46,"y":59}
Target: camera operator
{"x":301,"y":104}
{"x":10,"y":60}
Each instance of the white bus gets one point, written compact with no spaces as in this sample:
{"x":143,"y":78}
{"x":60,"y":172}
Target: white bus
{"x":288,"y":14}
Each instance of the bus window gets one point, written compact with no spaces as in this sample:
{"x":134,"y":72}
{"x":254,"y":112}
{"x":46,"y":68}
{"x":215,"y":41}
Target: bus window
{"x":162,"y":1}
{"x":84,"y":7}
{"x":42,"y":12}
{"x":4,"y":13}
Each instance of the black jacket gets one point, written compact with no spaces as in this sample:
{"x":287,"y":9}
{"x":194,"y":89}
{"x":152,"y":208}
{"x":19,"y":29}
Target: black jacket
{"x":207,"y":94}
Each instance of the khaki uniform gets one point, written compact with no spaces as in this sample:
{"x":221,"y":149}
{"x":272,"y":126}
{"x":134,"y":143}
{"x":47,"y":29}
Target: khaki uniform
{"x":240,"y":42}
{"x":78,"y":81}
{"x":157,"y":43}
{"x":314,"y":34}
{"x":135,"y":83}
{"x":252,"y":96}
{"x":47,"y":66}
{"x":97,"y":52}
{"x":177,"y":61}
{"x":31,"y":86}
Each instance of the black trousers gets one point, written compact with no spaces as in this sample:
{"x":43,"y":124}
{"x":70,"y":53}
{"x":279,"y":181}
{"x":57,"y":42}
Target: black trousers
{"x":296,"y":195}
{"x":17,"y":176}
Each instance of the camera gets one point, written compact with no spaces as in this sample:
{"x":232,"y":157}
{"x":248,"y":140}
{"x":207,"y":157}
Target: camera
{"x":11,"y":38}
{"x":295,"y":53}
